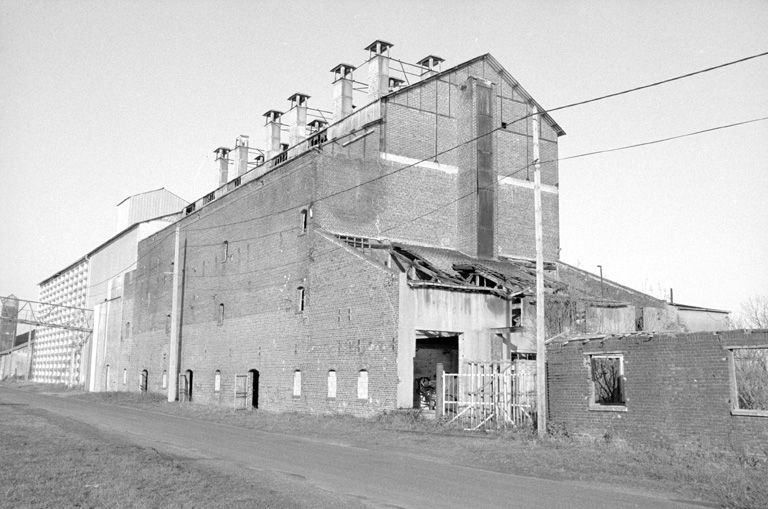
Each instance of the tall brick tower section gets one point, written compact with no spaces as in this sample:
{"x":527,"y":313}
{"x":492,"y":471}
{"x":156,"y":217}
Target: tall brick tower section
{"x":476,"y":190}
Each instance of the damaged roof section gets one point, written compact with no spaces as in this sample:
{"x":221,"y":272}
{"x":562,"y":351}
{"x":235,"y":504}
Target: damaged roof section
{"x":429,"y":267}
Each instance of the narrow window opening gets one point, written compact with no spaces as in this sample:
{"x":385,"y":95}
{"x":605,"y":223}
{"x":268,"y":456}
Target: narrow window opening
{"x":217,"y":381}
{"x":362,"y":385}
{"x":125,"y":376}
{"x":331,"y":384}
{"x":297,"y":384}
{"x":301,"y":299}
{"x":144,"y":381}
{"x":220,"y":319}
{"x":225,"y":252}
{"x":165,"y":380}
{"x":304,"y":217}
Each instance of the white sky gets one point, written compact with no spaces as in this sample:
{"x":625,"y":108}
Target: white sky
{"x":103,"y":99}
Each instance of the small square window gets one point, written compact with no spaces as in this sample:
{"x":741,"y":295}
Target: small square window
{"x":607,"y":382}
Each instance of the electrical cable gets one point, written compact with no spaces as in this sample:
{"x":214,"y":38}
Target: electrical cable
{"x":579,"y":103}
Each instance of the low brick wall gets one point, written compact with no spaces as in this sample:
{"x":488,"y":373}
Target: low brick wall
{"x":678,"y":389}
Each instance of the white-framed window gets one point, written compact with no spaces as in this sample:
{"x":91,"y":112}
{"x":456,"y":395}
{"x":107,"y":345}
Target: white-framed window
{"x":217,"y":381}
{"x":165,"y":380}
{"x":220,"y":317}
{"x":125,"y":376}
{"x":332,"y":384}
{"x":749,"y":381}
{"x":297,"y":383}
{"x":607,"y":381}
{"x":362,"y":384}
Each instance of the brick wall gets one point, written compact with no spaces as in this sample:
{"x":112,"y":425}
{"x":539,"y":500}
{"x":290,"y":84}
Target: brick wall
{"x":678,"y":390}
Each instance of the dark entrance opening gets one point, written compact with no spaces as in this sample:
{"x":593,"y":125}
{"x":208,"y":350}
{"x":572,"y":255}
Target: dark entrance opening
{"x":188,"y":376}
{"x":144,"y":381}
{"x":430,"y":351}
{"x":254,"y":373}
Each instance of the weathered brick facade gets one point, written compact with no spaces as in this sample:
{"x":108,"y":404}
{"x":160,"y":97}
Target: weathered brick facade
{"x":246,"y":257}
{"x":678,"y":389}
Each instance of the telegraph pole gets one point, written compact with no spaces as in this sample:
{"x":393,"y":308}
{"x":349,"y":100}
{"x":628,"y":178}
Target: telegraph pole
{"x":541,"y":365}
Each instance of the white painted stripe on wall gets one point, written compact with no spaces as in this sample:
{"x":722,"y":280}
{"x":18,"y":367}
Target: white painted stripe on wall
{"x":509,"y":181}
{"x":394,"y":158}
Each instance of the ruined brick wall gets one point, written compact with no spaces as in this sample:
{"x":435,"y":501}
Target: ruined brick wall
{"x":678,"y":390}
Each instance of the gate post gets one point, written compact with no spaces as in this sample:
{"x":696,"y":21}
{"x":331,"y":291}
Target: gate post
{"x":439,"y":390}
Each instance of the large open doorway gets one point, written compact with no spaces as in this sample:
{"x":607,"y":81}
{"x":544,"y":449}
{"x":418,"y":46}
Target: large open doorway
{"x":253,"y":375}
{"x":432,"y":348}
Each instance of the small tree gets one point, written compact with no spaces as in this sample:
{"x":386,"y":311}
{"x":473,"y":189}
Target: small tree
{"x":753,"y":313}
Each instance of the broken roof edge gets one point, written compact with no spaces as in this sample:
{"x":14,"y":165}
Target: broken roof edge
{"x":610,"y":282}
{"x":686,"y":307}
{"x":498,"y":68}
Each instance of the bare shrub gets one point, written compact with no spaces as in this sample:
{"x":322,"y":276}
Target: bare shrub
{"x":752,"y":377}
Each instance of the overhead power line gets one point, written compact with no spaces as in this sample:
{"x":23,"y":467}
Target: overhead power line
{"x":433,"y":156}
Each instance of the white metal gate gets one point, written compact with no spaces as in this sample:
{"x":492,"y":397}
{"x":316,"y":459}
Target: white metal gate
{"x":490,"y":395}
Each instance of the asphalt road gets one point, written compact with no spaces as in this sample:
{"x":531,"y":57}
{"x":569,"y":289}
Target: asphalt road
{"x":374,"y":477}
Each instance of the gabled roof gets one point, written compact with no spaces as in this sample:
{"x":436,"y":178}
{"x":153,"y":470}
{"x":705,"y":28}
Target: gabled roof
{"x":499,"y":69}
{"x":152,"y":191}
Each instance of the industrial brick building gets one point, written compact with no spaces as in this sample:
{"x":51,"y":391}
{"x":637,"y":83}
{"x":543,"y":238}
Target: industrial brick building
{"x":358,"y":250}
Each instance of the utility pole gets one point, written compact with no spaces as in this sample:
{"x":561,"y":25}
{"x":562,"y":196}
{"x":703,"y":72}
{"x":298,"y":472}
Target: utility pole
{"x":173,"y":347}
{"x":541,"y":364}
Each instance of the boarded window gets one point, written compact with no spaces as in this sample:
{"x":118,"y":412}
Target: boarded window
{"x":750,"y":367}
{"x":217,"y":381}
{"x":296,"y":383}
{"x":332,"y":384}
{"x":607,"y":374}
{"x":362,"y":384}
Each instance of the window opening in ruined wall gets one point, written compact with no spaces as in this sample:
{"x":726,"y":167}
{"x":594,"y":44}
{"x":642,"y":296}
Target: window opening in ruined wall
{"x":607,"y":382}
{"x":297,"y":384}
{"x":362,"y":384}
{"x":749,"y":381}
{"x":331,"y":384}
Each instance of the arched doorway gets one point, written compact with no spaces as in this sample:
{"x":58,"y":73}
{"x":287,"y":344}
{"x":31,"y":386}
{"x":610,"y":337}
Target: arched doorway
{"x":144,"y":382}
{"x":254,"y":387}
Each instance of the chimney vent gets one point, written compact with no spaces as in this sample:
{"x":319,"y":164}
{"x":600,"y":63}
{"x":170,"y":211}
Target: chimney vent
{"x":241,"y":144}
{"x":431,"y":63}
{"x":317,"y":125}
{"x":221,"y":158}
{"x":395,"y":83}
{"x":342,"y":90}
{"x":297,"y":118}
{"x":272,"y":139}
{"x":378,"y":69}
